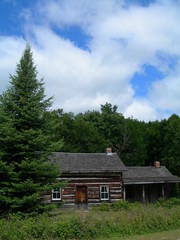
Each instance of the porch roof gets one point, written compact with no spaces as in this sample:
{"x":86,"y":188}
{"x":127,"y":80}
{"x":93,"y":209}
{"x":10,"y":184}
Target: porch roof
{"x":147,"y":175}
{"x":88,"y":163}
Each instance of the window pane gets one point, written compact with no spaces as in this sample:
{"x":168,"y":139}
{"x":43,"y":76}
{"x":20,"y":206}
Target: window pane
{"x":104,"y":192}
{"x":56,"y":193}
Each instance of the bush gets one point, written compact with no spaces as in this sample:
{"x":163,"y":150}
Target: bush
{"x":121,"y":204}
{"x":136,"y":219}
{"x":168,"y":203}
{"x":104,"y":206}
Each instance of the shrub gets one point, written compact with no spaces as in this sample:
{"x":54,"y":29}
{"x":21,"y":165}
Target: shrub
{"x":121,"y":204}
{"x":104,"y":206}
{"x":168,"y":203}
{"x":137,"y":219}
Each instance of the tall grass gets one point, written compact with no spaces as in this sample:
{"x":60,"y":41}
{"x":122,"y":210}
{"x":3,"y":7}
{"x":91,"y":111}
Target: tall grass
{"x":123,"y":218}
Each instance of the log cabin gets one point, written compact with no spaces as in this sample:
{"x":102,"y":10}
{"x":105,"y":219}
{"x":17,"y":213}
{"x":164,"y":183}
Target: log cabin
{"x":92,"y":178}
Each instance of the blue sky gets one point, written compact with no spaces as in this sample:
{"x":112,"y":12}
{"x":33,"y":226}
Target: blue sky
{"x":92,"y":52}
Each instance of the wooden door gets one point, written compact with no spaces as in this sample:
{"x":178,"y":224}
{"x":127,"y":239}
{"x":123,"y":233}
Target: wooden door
{"x":81,"y":194}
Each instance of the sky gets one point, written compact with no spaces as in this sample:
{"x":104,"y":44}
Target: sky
{"x":89,"y":52}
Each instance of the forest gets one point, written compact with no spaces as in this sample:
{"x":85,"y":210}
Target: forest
{"x":30,"y":131}
{"x":136,"y":142}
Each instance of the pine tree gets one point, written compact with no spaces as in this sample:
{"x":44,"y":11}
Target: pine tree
{"x":26,"y":140}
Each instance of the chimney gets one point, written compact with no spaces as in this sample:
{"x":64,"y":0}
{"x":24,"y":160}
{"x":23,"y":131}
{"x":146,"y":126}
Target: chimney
{"x":109,"y":151}
{"x":157,"y":164}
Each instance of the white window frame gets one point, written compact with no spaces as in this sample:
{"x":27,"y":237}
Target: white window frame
{"x":56,"y":191}
{"x":104,"y":192}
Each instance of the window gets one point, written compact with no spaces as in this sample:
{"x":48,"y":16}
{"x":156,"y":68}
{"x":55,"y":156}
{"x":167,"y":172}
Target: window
{"x":56,"y":194}
{"x":104,"y":193}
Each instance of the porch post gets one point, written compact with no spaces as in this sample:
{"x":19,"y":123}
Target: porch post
{"x":143,"y":194}
{"x":124,"y":192}
{"x":162,"y":190}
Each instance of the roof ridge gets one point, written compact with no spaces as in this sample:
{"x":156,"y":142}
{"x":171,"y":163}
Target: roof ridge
{"x":144,"y":167}
{"x":87,"y":154}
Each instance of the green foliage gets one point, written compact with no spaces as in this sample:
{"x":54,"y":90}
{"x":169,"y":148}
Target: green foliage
{"x":26,"y":140}
{"x":171,"y":152}
{"x":121,"y":204}
{"x":90,"y":225}
{"x":137,"y":143}
{"x":154,"y":141}
{"x":135,"y":153}
{"x":168,"y":203}
{"x":176,"y":191}
{"x":104,"y":206}
{"x":162,"y":143}
{"x":78,"y":134}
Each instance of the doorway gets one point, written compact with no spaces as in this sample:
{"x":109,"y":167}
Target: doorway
{"x":81,"y":197}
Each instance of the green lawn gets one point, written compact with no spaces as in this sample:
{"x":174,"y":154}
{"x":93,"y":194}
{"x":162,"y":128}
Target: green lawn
{"x":167,"y":235}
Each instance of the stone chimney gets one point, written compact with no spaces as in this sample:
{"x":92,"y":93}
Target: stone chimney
{"x":157,"y":164}
{"x":109,"y":151}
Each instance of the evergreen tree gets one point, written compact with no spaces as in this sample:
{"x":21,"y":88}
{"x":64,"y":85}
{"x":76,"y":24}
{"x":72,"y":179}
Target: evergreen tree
{"x":25,"y":141}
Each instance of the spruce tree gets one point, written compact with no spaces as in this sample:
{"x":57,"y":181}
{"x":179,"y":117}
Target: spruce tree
{"x":26,"y":140}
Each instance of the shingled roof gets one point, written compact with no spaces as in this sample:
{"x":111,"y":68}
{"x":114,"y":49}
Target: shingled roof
{"x":140,"y":175}
{"x":88,"y":163}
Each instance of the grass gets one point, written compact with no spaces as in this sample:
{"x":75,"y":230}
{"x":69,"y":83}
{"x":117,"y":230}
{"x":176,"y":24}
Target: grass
{"x":116,"y":223}
{"x":167,"y":235}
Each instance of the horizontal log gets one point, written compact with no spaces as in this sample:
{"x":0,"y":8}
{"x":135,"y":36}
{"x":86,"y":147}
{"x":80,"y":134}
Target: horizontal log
{"x":116,"y":188}
{"x":88,"y":178}
{"x":93,"y":197}
{"x":115,"y":191}
{"x":68,"y":197}
{"x":94,"y":192}
{"x":69,"y":194}
{"x":116,"y":197}
{"x":71,"y":185}
{"x":116,"y":194}
{"x":115,"y":185}
{"x":69,"y":201}
{"x":65,"y":191}
{"x":93,"y":187}
{"x":94,"y":180}
{"x":97,"y":185}
{"x":93,"y":200}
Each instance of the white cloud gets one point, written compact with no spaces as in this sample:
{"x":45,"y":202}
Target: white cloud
{"x":76,"y":77}
{"x":10,"y":50}
{"x":141,"y":109}
{"x":122,"y":41}
{"x":165,"y":94}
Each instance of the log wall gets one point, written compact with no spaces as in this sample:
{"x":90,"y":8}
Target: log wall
{"x":93,"y":185}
